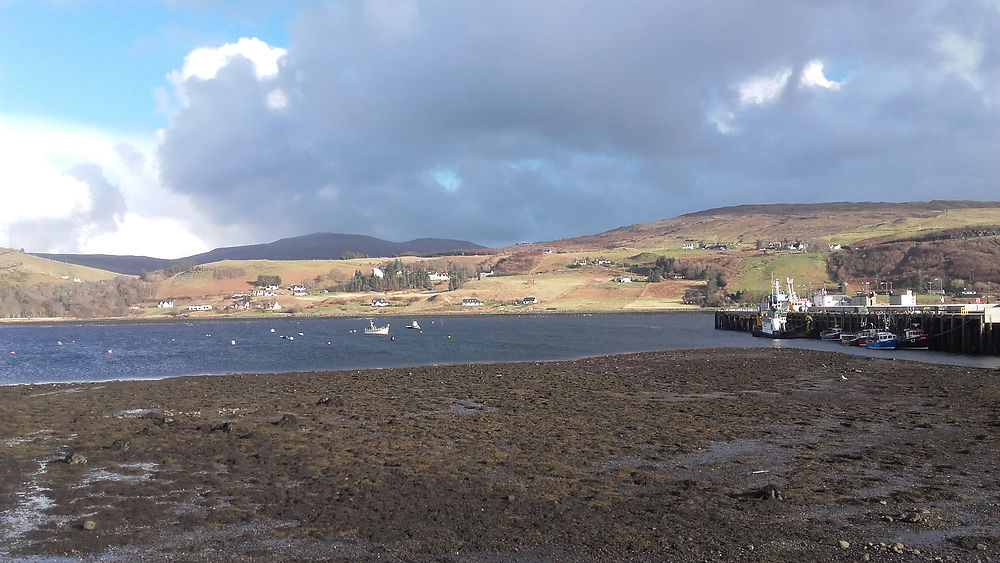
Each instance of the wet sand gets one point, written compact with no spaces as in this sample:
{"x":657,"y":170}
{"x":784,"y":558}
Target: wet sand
{"x":730,"y":454}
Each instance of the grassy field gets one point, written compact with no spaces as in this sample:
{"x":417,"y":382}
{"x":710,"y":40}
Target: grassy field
{"x":20,"y":269}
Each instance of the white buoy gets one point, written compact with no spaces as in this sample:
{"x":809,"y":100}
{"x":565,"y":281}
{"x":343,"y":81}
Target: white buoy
{"x":233,"y":342}
{"x":109,"y":350}
{"x":291,"y":338}
{"x":272,"y":330}
{"x":58,"y":342}
{"x":328,"y":342}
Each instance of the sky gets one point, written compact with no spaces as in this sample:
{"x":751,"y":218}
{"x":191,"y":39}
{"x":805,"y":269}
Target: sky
{"x":170,"y":127}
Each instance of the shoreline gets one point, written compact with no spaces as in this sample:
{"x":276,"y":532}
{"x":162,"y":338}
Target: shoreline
{"x":298,"y":316}
{"x":737,"y":454}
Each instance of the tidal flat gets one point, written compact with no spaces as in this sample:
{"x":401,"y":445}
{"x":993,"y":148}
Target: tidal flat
{"x":749,"y":454}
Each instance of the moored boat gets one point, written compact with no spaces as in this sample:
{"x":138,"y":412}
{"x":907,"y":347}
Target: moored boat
{"x":372,"y":329}
{"x":912,"y":338}
{"x":413,"y":325}
{"x":882,"y":340}
{"x":831,"y":333}
{"x":862,"y":337}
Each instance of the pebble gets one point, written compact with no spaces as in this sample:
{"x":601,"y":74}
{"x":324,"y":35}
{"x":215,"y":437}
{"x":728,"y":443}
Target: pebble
{"x":844,"y":544}
{"x":89,"y":524}
{"x":76,"y":458}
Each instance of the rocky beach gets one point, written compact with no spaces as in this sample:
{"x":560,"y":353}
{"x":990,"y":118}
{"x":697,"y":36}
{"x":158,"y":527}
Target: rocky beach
{"x":698,"y":455}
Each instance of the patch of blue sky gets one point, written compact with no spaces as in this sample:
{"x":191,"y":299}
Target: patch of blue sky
{"x":99,"y":62}
{"x":528,"y":164}
{"x":448,"y":179}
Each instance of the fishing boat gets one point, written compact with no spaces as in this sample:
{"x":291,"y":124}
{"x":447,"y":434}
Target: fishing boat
{"x":849,"y":338}
{"x":773,"y":320}
{"x":861,"y":337}
{"x":883,"y":340}
{"x":831,"y":333}
{"x":372,"y":329}
{"x":912,"y":338}
{"x":413,"y":325}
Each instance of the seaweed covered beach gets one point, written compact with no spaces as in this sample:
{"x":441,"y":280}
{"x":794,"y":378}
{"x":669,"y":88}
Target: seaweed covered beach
{"x":749,"y":454}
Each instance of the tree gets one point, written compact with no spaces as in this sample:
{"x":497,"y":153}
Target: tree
{"x":265,"y":280}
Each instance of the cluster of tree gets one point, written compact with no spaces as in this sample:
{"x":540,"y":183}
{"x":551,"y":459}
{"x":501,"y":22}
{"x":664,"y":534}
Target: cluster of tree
{"x":80,"y":300}
{"x":917,"y":264}
{"x":688,"y":269}
{"x":264,"y":280}
{"x":352,"y":255}
{"x":395,"y":276}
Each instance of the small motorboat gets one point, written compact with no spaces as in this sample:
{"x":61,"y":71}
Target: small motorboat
{"x":413,"y":325}
{"x":862,"y":337}
{"x":372,"y":329}
{"x":831,"y":333}
{"x":848,"y":339}
{"x":883,"y":340}
{"x":912,"y":338}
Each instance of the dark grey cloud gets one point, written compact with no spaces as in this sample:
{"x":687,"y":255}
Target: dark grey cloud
{"x":512,"y":121}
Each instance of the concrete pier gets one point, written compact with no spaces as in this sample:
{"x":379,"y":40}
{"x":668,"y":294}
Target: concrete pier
{"x":969,"y":329}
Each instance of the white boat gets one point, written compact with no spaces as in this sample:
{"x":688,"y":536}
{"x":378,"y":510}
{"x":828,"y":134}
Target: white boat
{"x":413,"y":325}
{"x":774,"y":311}
{"x":372,"y":329}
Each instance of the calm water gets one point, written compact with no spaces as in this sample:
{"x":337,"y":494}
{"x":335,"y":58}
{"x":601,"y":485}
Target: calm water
{"x":146,"y":351}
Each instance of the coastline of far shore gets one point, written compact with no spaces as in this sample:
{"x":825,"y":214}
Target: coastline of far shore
{"x":753,"y":454}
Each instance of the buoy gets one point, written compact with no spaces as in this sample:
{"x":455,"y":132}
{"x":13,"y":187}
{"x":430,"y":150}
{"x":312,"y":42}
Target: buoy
{"x":449,"y":336}
{"x":13,"y":353}
{"x":291,"y":338}
{"x":171,"y":339}
{"x":58,"y":342}
{"x":109,"y":350}
{"x":272,"y":330}
{"x":392,"y":338}
{"x":208,"y":336}
{"x":328,"y":343}
{"x":233,"y":342}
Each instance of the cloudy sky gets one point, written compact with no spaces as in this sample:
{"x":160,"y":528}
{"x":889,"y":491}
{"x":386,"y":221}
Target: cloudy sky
{"x":169,"y":127}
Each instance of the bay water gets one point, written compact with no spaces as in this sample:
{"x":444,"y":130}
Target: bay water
{"x":64,"y":352}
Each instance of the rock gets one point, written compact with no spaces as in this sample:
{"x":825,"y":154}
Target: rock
{"x":226,"y":427}
{"x":76,"y":458}
{"x":844,"y":544}
{"x":323,"y":400}
{"x":981,"y":546}
{"x":771,"y":492}
{"x":287,"y":420}
{"x":121,"y":445}
{"x":898,"y":547}
{"x":89,"y":524}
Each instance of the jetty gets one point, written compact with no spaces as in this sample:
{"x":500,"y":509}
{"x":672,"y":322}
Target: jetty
{"x":958,"y":328}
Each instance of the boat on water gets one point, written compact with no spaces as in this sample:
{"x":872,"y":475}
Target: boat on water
{"x":913,"y":339}
{"x":413,"y":325}
{"x":860,"y":338}
{"x":372,"y":329}
{"x":831,"y":333}
{"x":883,"y":340}
{"x":773,"y":320}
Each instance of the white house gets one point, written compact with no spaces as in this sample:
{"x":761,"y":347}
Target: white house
{"x":529,"y":300}
{"x":300,"y":293}
{"x":274,"y":306}
{"x":378,"y":273}
{"x":297,"y":287}
{"x":624,"y":280}
{"x":437,"y":276}
{"x":166,"y":304}
{"x":199,"y":307}
{"x":688,"y":246}
{"x":379,"y":302}
{"x":472,"y":302}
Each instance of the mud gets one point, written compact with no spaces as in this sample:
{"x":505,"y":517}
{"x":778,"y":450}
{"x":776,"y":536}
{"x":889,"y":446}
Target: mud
{"x":719,"y":455}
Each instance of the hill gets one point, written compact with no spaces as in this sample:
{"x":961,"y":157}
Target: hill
{"x":318,"y":246}
{"x":715,"y":257}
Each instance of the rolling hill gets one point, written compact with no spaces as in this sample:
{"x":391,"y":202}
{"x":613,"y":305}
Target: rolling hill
{"x":318,"y":246}
{"x":717,"y":256}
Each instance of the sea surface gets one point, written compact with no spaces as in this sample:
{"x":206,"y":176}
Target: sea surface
{"x":33,"y":353}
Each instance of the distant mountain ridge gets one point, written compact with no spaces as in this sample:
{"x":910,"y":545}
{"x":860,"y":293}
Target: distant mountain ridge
{"x":316,"y":246}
